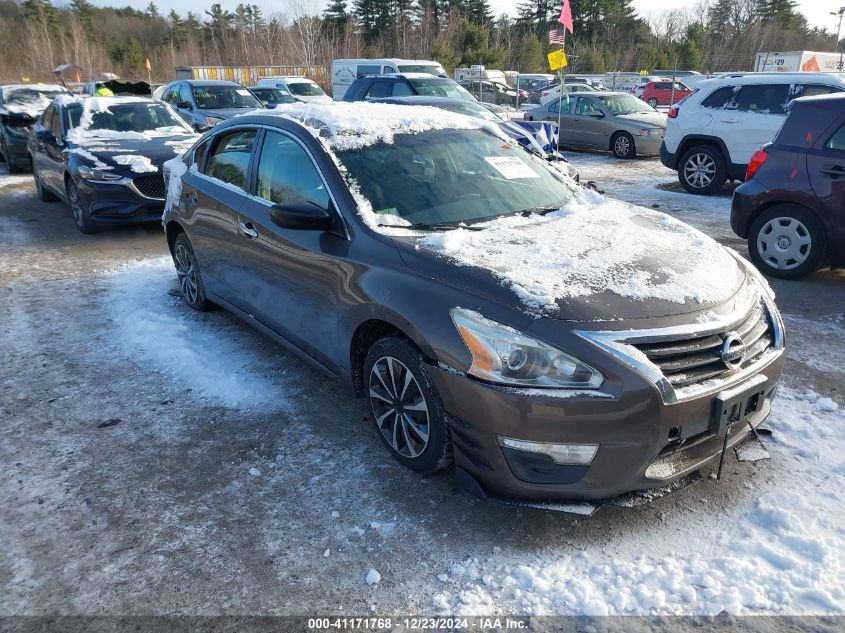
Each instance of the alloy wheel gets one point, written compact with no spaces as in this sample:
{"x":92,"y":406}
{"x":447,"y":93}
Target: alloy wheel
{"x":75,"y":204}
{"x":399,"y":406}
{"x":699,"y":170}
{"x":653,"y":102}
{"x":784,"y":243}
{"x":622,"y":145}
{"x":187,"y":274}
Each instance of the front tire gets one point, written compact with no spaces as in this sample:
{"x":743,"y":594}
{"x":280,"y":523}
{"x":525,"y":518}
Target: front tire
{"x":622,"y":145}
{"x":787,"y":242}
{"x":188,"y":272}
{"x":653,"y":102}
{"x":405,"y":406}
{"x":702,"y":170}
{"x":81,"y":214}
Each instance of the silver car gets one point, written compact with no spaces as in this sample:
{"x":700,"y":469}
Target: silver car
{"x":614,"y":121}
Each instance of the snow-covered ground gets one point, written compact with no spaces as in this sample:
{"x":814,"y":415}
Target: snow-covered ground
{"x":238,"y":480}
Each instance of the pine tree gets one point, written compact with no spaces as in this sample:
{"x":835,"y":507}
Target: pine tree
{"x":334,"y":17}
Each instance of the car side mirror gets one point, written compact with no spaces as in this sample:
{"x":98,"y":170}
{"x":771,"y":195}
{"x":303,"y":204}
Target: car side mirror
{"x":301,"y":215}
{"x":596,"y":114}
{"x":185,"y":105}
{"x":201,"y":127}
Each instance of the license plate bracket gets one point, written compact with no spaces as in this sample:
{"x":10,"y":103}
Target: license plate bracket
{"x":736,"y":405}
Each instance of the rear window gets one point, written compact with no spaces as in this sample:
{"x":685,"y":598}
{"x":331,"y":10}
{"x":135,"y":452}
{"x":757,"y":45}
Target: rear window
{"x":229,"y":159}
{"x":837,"y":141}
{"x":718,"y":99}
{"x":379,"y":89}
{"x":762,"y":99}
{"x":811,"y":90}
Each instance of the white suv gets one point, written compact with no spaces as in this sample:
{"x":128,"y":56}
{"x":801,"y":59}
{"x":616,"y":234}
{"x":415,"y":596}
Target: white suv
{"x":711,"y":135}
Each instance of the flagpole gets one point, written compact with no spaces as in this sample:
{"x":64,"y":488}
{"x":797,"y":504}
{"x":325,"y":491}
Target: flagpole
{"x":560,"y":98}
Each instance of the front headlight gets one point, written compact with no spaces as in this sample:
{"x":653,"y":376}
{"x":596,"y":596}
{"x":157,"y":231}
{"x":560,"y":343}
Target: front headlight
{"x":503,"y":355}
{"x":211,"y":121}
{"x":655,"y":132}
{"x":97,"y":175}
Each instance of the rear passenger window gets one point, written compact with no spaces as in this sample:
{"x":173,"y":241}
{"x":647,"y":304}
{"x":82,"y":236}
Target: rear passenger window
{"x":763,"y":98}
{"x":379,"y":89}
{"x":718,"y":99}
{"x":837,"y":141}
{"x":229,"y":159}
{"x":401,"y":89}
{"x":286,"y":173}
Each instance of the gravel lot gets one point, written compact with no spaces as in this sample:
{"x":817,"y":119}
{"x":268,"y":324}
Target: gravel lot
{"x":159,"y":461}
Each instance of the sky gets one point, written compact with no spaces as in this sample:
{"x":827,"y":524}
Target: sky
{"x":817,"y":11}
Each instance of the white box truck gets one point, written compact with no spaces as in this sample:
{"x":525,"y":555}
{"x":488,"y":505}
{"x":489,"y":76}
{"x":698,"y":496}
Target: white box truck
{"x":797,"y":62}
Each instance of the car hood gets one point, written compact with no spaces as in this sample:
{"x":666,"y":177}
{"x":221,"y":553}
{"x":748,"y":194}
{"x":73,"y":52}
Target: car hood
{"x":651,"y":118}
{"x":596,"y":259}
{"x":130,"y":157}
{"x":313,"y":98}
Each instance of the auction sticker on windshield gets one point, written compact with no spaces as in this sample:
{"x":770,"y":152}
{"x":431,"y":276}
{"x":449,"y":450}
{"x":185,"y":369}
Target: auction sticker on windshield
{"x":511,"y":167}
{"x":242,"y":92}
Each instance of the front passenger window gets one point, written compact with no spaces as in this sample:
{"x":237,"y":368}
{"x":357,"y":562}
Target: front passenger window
{"x":585,"y":106}
{"x":286,"y":173}
{"x":229,"y":159}
{"x":401,"y":89}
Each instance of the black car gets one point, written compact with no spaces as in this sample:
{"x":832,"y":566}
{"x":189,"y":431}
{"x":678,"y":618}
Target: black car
{"x":103,"y":156}
{"x":424,"y":260}
{"x":205,"y":103}
{"x":791,"y":207}
{"x":405,"y":85}
{"x":20,"y":106}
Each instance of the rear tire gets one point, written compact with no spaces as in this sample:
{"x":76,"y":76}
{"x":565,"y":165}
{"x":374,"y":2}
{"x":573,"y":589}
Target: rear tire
{"x":702,"y":170}
{"x":622,"y":145}
{"x":653,"y":102}
{"x":10,"y":165}
{"x":787,"y":242}
{"x":405,"y":406}
{"x":188,"y":272}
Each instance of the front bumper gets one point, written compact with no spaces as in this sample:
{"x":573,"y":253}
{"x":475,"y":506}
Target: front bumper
{"x":637,"y":432}
{"x":647,"y":145}
{"x":119,"y":203}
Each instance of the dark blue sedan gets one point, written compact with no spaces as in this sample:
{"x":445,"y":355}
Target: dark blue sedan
{"x":103,"y":156}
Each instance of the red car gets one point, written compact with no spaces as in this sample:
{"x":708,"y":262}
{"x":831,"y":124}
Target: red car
{"x":660,"y":93}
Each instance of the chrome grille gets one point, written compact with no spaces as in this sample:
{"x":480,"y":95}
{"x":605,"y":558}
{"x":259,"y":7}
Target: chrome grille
{"x":695,"y":360}
{"x":151,"y":186}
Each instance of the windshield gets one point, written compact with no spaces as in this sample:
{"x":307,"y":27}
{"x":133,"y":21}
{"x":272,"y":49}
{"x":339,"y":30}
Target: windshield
{"x":452,"y":176}
{"x":222,"y":97}
{"x":434,"y":69}
{"x":131,"y":117}
{"x":28,"y":95}
{"x":306,"y":89}
{"x":273,"y":95}
{"x":625,"y":104}
{"x":440,"y":87}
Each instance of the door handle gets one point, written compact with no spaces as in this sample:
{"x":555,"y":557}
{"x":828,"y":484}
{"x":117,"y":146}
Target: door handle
{"x":248,"y":230}
{"x":729,"y":120}
{"x":834,"y":171}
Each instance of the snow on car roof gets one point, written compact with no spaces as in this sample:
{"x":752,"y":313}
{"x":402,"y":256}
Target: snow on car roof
{"x":36,"y":87}
{"x":354,"y":125}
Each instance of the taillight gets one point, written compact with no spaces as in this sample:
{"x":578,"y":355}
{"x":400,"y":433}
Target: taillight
{"x":673,"y":111}
{"x":756,"y":163}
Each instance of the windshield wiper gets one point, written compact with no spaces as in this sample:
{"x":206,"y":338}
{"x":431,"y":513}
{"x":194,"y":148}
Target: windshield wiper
{"x":539,"y":210}
{"x":425,"y":226}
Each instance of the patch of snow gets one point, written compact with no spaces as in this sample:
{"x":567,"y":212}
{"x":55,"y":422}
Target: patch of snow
{"x":373,"y":577}
{"x":138,"y":164}
{"x":84,"y":153}
{"x":327,"y":553}
{"x":779,"y":551}
{"x":591,"y":245}
{"x":157,"y":329}
{"x":173,"y":170}
{"x":254,"y":472}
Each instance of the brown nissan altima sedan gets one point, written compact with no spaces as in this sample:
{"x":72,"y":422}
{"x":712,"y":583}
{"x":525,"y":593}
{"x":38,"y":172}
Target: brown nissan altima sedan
{"x":547,"y":342}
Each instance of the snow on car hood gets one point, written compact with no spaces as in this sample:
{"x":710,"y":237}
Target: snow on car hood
{"x":32,"y":107}
{"x":595,"y":258}
{"x":128,"y":152}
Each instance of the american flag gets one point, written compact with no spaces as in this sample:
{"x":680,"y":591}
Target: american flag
{"x":556,"y":36}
